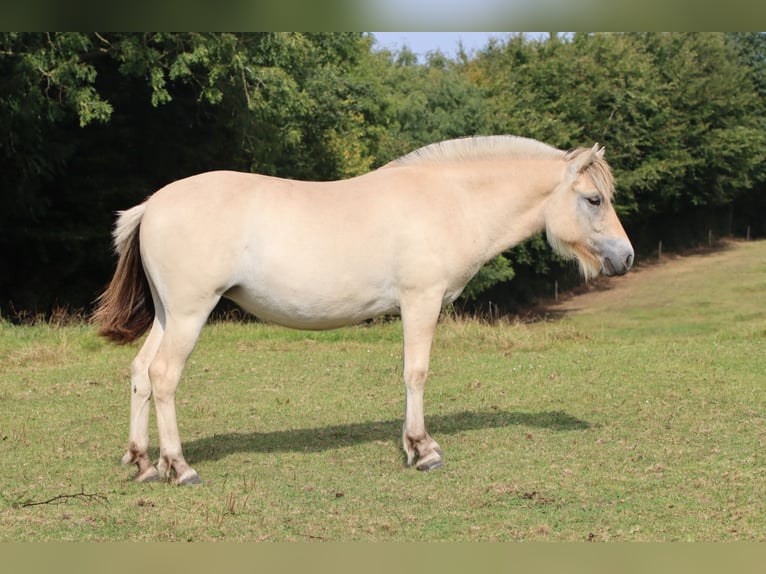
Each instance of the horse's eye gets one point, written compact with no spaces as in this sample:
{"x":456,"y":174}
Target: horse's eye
{"x":594,"y":200}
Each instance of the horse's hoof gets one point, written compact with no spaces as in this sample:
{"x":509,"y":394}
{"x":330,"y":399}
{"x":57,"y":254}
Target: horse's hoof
{"x":149,"y":475}
{"x":189,"y":478}
{"x":431,"y":465}
{"x":151,"y":478}
{"x":431,"y":462}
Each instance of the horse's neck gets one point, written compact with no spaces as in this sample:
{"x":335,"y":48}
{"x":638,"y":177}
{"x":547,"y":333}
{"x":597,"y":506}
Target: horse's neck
{"x":510,"y":200}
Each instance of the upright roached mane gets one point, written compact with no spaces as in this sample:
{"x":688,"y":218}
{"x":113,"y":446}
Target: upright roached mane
{"x":479,"y":148}
{"x":404,"y":238}
{"x":516,"y":147}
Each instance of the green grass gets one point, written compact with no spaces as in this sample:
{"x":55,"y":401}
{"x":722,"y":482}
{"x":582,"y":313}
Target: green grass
{"x":639,"y":416}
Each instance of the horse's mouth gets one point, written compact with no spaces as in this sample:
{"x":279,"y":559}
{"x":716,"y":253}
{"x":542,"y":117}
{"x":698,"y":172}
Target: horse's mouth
{"x":616,"y":256}
{"x":610,"y":268}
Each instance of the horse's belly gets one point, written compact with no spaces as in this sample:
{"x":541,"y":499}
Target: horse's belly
{"x":304,"y":308}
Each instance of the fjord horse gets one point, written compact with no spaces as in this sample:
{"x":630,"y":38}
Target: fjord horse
{"x":405,"y":238}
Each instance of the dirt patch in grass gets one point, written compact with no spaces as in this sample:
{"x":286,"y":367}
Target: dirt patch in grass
{"x":655,"y":276}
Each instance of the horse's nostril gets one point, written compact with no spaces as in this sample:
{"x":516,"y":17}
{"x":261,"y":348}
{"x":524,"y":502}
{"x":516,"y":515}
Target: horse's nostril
{"x":629,"y":261}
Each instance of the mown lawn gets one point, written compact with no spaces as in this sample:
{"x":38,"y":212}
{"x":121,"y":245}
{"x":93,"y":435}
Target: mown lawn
{"x":638,"y":415}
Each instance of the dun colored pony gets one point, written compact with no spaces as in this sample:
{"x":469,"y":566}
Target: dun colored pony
{"x":404,"y":239}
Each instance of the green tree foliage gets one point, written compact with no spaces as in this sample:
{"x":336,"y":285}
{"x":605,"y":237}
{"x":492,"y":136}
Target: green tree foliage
{"x":406,"y":105}
{"x":681,"y":116}
{"x":94,"y":122}
{"x":750,"y":206}
{"x":675,"y":111}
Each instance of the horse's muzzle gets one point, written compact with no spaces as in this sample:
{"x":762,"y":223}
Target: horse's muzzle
{"x":617,"y":257}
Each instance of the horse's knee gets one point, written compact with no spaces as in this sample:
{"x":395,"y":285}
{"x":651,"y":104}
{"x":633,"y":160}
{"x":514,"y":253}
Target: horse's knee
{"x":163,"y":384}
{"x":139,"y":378}
{"x":415,"y":377}
{"x":138,"y":368}
{"x":157,"y":370}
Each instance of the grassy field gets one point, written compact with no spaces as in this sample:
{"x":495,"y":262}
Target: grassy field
{"x":636,"y":414}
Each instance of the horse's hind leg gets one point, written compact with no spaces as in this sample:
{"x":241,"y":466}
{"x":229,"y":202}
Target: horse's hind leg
{"x":419,"y":319}
{"x":165,"y":372}
{"x":140,"y":395}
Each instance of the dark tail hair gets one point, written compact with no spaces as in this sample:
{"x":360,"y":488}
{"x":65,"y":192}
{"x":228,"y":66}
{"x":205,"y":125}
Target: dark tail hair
{"x":125,"y":310}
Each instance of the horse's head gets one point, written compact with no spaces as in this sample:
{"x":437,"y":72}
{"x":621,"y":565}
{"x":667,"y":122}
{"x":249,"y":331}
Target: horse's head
{"x":580,"y":221}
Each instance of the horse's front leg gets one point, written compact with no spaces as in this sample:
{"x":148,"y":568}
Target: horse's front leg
{"x":140,"y":395}
{"x":419,"y":319}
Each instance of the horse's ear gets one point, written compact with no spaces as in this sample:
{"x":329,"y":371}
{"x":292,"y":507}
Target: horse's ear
{"x":600,"y":152}
{"x":581,"y":161}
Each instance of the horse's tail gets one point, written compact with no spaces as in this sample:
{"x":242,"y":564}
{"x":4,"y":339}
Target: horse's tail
{"x":125,"y":310}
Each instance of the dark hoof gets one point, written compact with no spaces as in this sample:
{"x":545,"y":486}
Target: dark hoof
{"x":189,"y":480}
{"x":149,"y":479}
{"x":149,"y":475}
{"x":431,"y":464}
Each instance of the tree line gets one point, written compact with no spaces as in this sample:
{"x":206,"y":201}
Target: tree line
{"x":91,"y":123}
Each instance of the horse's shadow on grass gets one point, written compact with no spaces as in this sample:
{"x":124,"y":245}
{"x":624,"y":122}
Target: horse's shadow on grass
{"x":317,"y":439}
